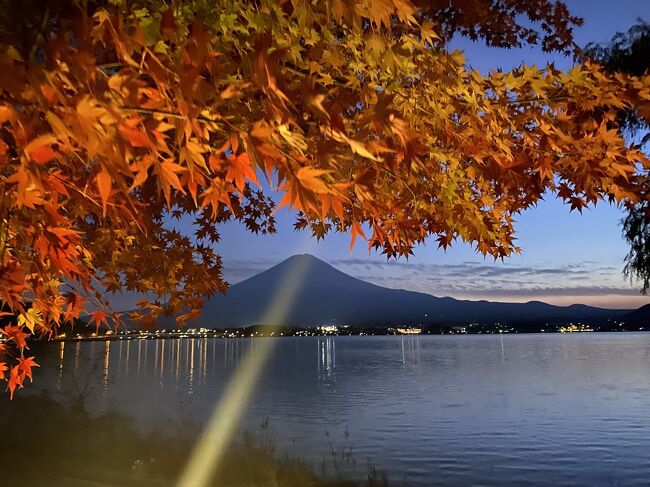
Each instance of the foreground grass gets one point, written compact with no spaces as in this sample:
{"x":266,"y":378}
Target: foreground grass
{"x":45,"y":442}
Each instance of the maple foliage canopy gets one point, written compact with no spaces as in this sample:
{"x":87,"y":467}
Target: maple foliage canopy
{"x":118,"y":115}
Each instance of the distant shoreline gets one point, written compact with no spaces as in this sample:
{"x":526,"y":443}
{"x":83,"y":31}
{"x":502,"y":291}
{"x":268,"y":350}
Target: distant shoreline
{"x":229,"y":335}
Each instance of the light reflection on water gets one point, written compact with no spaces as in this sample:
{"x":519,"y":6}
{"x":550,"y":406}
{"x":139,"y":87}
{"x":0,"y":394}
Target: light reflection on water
{"x":490,"y":410}
{"x":326,"y":359}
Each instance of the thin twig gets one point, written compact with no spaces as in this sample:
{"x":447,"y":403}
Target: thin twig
{"x":165,"y":113}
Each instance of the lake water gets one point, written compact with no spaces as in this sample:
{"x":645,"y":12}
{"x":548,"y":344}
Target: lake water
{"x":428,"y":410}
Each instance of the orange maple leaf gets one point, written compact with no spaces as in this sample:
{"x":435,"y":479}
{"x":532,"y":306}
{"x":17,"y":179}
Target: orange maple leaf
{"x":26,"y":365}
{"x":40,"y":149}
{"x":15,"y":380}
{"x":16,"y":334}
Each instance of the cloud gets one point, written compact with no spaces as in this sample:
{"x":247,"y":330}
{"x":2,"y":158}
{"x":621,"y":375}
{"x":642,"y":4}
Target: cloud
{"x":476,"y":269}
{"x":587,"y":281}
{"x":235,"y":271}
{"x":477,"y":280}
{"x":541,"y":291}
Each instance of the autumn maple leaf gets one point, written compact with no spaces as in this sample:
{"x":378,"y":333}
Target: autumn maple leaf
{"x":15,"y":380}
{"x":25,"y":365}
{"x":16,"y":334}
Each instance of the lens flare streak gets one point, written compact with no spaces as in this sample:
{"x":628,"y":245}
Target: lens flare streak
{"x":209,"y":450}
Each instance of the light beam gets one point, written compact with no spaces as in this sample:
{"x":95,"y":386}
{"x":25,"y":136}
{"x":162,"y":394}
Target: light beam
{"x":208,"y":451}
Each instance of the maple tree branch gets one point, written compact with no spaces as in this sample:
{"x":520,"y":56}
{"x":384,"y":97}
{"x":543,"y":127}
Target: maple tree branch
{"x":108,"y":203}
{"x":402,"y":181}
{"x":424,"y":110}
{"x":89,"y":295}
{"x":3,"y":239}
{"x":147,"y":111}
{"x":104,"y":67}
{"x":293,"y":69}
{"x":531,"y":101}
{"x":83,"y":193}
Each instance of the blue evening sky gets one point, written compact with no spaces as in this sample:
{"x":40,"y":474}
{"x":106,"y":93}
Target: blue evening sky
{"x":567,"y":257}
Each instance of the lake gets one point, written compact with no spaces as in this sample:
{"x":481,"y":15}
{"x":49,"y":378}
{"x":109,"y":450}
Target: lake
{"x":556,"y":409}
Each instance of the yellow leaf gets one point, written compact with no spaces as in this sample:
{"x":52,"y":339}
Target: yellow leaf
{"x":359,"y":148}
{"x":164,"y":127}
{"x":309,"y":178}
{"x":58,"y":126}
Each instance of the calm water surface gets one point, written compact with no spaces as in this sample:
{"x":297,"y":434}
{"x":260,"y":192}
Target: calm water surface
{"x":431,"y":410}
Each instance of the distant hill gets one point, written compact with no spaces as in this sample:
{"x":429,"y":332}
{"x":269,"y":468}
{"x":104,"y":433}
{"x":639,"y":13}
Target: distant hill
{"x":327,"y":295}
{"x":639,"y":316}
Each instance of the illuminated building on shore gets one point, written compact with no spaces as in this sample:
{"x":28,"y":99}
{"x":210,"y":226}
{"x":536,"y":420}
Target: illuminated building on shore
{"x":408,"y":331}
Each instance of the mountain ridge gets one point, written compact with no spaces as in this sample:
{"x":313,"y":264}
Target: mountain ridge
{"x":328,"y":295}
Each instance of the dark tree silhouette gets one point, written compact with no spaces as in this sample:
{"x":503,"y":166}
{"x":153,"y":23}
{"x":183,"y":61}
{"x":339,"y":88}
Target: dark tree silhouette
{"x":629,"y":53}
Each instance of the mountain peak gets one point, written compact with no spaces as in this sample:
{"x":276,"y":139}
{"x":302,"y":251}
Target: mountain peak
{"x":314,"y":267}
{"x":305,"y":257}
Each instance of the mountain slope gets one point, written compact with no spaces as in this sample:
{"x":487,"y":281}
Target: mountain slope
{"x":327,"y":295}
{"x":639,"y":316}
